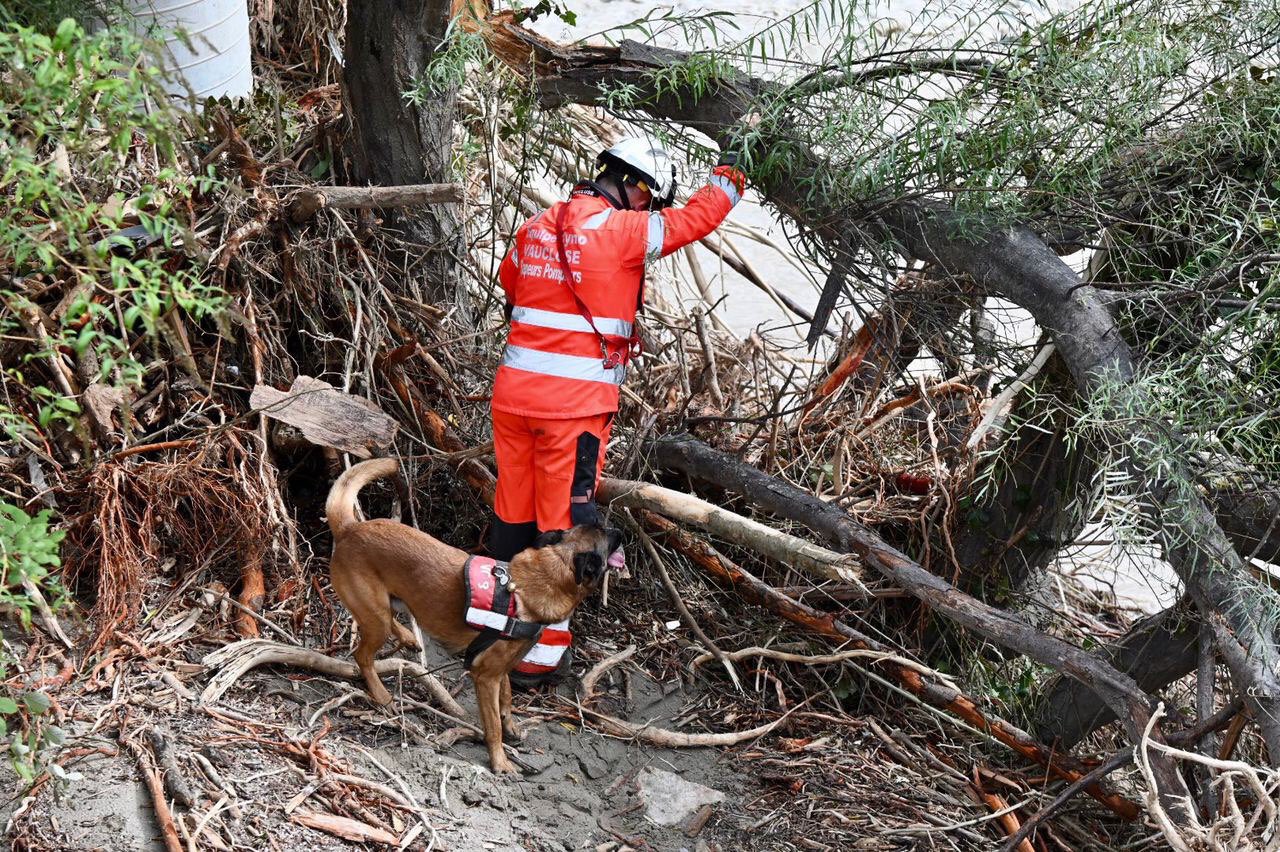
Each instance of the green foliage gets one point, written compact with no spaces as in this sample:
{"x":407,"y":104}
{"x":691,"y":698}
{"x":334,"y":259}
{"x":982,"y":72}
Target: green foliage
{"x":462,"y":51}
{"x":28,"y":553}
{"x":76,"y":111}
{"x":546,"y":7}
{"x":46,"y":15}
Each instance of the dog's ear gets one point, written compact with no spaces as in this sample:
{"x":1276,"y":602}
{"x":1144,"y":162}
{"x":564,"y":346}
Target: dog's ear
{"x":587,"y":567}
{"x":548,"y":539}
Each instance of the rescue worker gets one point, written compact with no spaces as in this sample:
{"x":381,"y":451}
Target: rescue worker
{"x":574,"y":280}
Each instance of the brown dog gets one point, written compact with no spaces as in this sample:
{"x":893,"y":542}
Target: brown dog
{"x":374,"y":561}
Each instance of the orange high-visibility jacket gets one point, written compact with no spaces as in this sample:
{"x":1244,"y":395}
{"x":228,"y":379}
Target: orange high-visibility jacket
{"x":553,"y":366}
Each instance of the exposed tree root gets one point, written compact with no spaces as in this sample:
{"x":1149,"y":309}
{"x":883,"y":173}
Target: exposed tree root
{"x":233,"y":661}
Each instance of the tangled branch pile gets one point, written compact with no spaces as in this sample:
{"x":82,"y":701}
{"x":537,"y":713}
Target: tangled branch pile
{"x":976,"y":405}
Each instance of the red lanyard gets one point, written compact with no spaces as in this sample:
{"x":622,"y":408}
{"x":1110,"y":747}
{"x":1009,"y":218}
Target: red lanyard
{"x":624,"y":348}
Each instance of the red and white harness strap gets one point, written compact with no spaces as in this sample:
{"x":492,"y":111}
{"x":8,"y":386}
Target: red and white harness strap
{"x":546,"y":654}
{"x":492,"y":608}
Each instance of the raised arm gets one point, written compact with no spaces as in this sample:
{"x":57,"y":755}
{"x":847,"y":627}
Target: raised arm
{"x":677,"y":227}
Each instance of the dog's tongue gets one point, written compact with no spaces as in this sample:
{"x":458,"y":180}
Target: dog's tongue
{"x":618,"y":564}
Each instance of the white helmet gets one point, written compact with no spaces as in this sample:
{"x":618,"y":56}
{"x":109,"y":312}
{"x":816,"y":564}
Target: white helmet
{"x":642,"y":161}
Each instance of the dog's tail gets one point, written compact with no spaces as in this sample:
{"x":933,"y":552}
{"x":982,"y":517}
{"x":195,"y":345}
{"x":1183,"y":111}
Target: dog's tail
{"x":340,"y":507}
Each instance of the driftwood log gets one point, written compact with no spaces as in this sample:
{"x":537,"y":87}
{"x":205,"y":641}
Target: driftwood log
{"x":326,"y":416}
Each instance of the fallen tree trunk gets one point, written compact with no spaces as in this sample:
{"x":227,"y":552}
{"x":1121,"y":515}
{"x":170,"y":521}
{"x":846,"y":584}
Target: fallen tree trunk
{"x":1008,"y":261}
{"x":1159,"y":650}
{"x":1119,"y":691}
{"x":933,"y":690}
{"x":306,"y":203}
{"x":1156,"y":651}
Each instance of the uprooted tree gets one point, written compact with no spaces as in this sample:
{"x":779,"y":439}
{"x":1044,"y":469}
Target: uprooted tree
{"x":1004,"y":171}
{"x":1047,"y":271}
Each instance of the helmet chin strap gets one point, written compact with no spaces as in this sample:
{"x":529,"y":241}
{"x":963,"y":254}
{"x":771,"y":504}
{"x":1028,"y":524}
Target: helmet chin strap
{"x":617,"y":198}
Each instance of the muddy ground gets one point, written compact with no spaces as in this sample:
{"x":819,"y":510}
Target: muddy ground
{"x":580,"y":790}
{"x":851,"y":766}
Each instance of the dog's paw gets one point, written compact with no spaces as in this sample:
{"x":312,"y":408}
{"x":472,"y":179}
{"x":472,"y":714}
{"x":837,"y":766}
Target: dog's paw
{"x":381,"y":697}
{"x":511,"y":732}
{"x":503,"y":766}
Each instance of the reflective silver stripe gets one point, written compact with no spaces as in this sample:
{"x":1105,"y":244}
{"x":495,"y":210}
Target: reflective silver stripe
{"x":730,"y":189}
{"x":570,"y":322}
{"x":657,"y":233}
{"x":597,"y":220}
{"x":559,"y":625}
{"x":486,"y":617}
{"x":545,"y":655}
{"x":563,"y":366}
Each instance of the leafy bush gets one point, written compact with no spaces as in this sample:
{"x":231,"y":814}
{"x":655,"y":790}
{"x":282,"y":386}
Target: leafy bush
{"x":95,"y":208}
{"x":28,"y":555}
{"x":90,"y":149}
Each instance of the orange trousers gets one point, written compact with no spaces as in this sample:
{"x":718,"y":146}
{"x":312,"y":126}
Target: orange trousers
{"x":548,"y":470}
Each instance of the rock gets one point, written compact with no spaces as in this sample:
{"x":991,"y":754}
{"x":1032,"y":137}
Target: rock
{"x":472,"y":797}
{"x":669,"y":799}
{"x":592,"y":767}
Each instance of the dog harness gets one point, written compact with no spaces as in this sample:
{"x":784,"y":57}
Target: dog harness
{"x":491,"y":609}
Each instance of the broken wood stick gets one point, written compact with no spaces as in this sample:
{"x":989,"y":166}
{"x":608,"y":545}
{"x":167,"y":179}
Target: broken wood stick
{"x":234,"y":660}
{"x":936,"y":692}
{"x":588,"y":683}
{"x":1003,"y":815}
{"x":306,"y":203}
{"x":174,"y":782}
{"x":821,"y":659}
{"x":344,"y":827}
{"x":765,"y":540}
{"x":47,"y":618}
{"x":150,"y":775}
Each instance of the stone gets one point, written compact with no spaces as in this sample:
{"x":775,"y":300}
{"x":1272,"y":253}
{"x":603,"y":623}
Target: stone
{"x":669,"y":799}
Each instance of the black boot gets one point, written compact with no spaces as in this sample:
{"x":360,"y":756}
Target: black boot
{"x":506,"y":540}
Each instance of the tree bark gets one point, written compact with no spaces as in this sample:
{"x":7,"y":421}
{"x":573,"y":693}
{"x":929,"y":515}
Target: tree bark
{"x":1157,"y":651}
{"x":395,"y":141}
